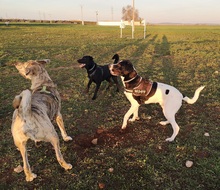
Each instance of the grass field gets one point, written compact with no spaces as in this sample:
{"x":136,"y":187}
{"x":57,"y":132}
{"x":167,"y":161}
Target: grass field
{"x":139,"y":158}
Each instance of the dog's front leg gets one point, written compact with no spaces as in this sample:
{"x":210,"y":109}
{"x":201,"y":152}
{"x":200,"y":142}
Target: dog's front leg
{"x":96,"y":90}
{"x":59,"y":120}
{"x":133,"y":110}
{"x":59,"y":156}
{"x":133,"y":102}
{"x":88,"y":85}
{"x":109,"y":84}
{"x":115,"y":79}
{"x":135,"y":115}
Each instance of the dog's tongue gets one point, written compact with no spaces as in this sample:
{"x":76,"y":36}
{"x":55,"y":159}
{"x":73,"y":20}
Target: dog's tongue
{"x":82,"y":65}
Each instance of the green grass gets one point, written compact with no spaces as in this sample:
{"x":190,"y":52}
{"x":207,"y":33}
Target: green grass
{"x":183,"y":56}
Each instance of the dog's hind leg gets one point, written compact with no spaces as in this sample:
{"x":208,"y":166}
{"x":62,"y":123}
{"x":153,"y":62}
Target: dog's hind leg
{"x":19,"y":123}
{"x":59,"y":120}
{"x":27,"y":170}
{"x":176,"y":129}
{"x":59,"y":156}
{"x":170,"y":111}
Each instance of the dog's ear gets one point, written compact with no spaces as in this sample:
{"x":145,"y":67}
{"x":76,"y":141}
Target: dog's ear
{"x":116,"y":58}
{"x":90,"y":58}
{"x":43,"y":61}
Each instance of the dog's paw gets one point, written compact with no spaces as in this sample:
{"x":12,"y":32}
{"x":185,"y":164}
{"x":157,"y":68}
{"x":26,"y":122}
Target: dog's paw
{"x":68,"y":167}
{"x":67,"y":138}
{"x":123,"y":127}
{"x":164,"y":122}
{"x":31,"y":177}
{"x":169,"y":139}
{"x":122,"y":131}
{"x":134,"y":119}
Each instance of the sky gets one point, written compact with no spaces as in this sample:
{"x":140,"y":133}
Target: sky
{"x":153,"y":11}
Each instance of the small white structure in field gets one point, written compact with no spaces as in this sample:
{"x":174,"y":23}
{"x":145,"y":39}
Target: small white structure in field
{"x":144,"y":23}
{"x":122,"y":26}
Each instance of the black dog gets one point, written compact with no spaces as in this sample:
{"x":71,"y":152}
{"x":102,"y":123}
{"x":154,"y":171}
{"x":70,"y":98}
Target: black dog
{"x":97,"y":74}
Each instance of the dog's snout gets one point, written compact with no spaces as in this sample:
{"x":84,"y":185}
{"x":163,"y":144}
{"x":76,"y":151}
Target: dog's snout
{"x":110,"y":66}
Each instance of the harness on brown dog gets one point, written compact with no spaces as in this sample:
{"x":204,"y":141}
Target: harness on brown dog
{"x":143,"y":88}
{"x":143,"y":91}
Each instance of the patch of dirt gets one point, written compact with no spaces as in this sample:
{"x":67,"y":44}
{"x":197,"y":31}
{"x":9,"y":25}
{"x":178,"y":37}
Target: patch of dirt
{"x":112,"y":137}
{"x":7,"y":175}
{"x":202,"y":154}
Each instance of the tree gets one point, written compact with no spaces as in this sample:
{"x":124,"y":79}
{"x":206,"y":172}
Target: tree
{"x":127,"y":13}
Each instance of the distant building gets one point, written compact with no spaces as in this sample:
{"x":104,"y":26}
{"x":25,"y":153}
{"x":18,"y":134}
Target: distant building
{"x":117,"y":23}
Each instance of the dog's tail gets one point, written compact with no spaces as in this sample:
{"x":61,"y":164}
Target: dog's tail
{"x":195,"y":97}
{"x":116,"y":58}
{"x":22,"y":102}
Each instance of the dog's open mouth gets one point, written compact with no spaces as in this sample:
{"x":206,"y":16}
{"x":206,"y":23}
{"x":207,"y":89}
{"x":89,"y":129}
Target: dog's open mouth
{"x":82,"y":65}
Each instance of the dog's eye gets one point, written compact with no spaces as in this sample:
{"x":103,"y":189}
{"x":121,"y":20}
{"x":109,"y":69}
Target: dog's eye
{"x":117,"y":67}
{"x":27,"y":72}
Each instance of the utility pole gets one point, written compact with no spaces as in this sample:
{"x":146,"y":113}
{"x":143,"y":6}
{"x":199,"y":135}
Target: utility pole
{"x":97,"y":13}
{"x":112,"y":13}
{"x":133,"y":20}
{"x":82,"y":14}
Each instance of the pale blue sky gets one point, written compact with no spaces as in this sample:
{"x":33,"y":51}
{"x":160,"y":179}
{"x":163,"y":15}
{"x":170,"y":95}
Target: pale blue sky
{"x":154,"y":11}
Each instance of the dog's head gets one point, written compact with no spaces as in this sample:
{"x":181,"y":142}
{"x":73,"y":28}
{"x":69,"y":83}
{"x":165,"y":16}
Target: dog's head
{"x":86,"y":62}
{"x":31,"y":69}
{"x":122,"y":68}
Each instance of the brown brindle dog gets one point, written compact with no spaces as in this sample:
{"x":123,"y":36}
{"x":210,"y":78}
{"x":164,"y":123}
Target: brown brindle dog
{"x":34,"y":112}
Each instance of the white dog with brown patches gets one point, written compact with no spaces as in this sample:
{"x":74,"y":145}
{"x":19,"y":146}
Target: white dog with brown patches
{"x":34,"y":112}
{"x":142,"y":91}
